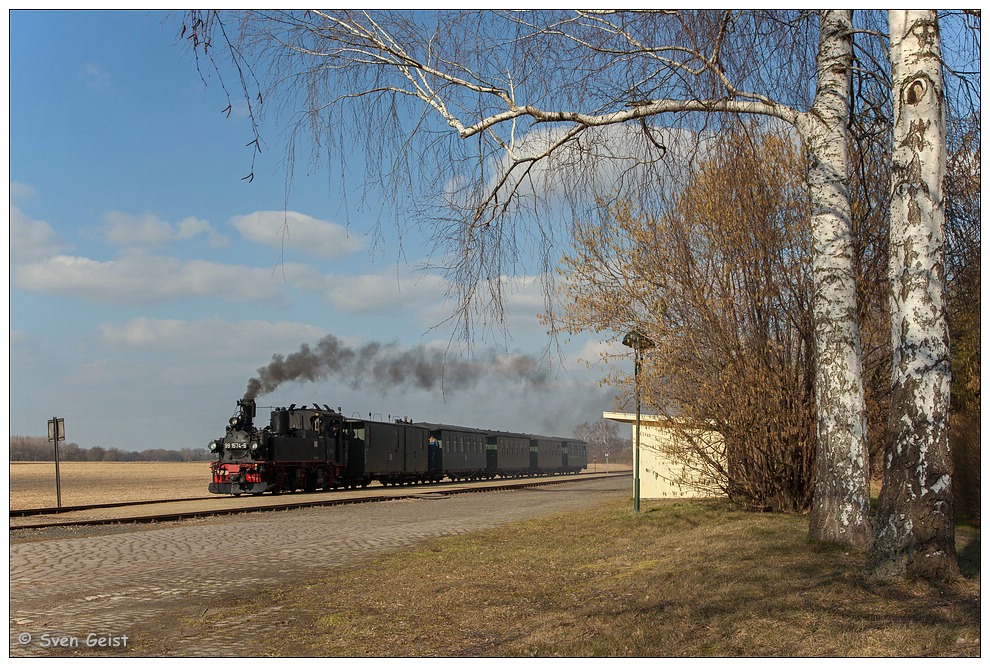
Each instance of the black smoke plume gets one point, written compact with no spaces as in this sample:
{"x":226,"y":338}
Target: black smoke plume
{"x":383,"y":367}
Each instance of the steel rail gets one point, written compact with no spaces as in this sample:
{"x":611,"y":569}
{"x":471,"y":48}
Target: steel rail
{"x":425,"y":492}
{"x":38,"y":511}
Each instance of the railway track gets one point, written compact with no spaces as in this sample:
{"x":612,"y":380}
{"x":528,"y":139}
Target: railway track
{"x":192,"y":508}
{"x":40,"y":511}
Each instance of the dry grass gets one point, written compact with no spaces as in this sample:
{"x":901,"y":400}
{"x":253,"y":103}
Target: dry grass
{"x":680,"y":579}
{"x":33,"y":484}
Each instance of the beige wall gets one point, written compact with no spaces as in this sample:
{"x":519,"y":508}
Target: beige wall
{"x":665,"y":471}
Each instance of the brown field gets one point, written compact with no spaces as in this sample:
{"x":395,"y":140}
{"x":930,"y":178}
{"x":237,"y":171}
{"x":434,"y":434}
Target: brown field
{"x":33,"y":484}
{"x":83,"y":483}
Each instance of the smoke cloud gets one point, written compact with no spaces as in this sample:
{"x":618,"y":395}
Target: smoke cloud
{"x":386,"y":366}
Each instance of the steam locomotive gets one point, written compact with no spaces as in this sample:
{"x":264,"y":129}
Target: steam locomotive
{"x":310,"y":448}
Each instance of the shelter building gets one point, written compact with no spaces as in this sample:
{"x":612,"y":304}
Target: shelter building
{"x":669,"y":466}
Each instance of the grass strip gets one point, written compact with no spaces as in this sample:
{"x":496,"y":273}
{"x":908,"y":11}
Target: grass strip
{"x":691,"y":578}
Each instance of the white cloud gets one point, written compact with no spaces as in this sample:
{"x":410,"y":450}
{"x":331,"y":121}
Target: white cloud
{"x":125,"y":229}
{"x":32,"y":239}
{"x":295,"y":231}
{"x":192,"y":227}
{"x":142,"y":278}
{"x":382,"y":293}
{"x":210,"y":337}
{"x":41,"y":265}
{"x":143,"y":230}
{"x":605,"y":162}
{"x":21,"y":191}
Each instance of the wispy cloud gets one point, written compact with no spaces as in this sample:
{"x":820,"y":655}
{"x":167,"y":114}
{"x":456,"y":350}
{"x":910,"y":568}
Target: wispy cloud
{"x":95,"y":77}
{"x":209,"y":337}
{"x":382,"y":293}
{"x":21,"y":192}
{"x":31,"y":240}
{"x":125,"y":229}
{"x":290,"y":230}
{"x":144,"y":279}
{"x":139,"y":278}
{"x":147,"y":230}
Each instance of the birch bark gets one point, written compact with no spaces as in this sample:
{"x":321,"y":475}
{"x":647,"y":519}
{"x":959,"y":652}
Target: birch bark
{"x":915,"y":535}
{"x":841,"y":506}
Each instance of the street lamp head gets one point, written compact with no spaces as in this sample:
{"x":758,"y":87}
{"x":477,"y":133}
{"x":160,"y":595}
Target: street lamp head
{"x":637,"y":341}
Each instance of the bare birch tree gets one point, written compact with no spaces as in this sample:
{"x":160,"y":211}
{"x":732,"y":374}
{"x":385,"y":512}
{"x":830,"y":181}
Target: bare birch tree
{"x":530,"y":97}
{"x":914,"y":524}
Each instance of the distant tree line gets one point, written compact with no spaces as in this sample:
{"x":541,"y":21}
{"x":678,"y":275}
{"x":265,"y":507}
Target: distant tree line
{"x":34,"y":448}
{"x":603,"y":438}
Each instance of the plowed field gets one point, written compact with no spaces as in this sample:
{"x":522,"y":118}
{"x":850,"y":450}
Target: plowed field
{"x":33,"y":484}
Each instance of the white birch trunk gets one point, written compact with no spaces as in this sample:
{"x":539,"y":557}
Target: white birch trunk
{"x":841,"y":506}
{"x":915,"y":535}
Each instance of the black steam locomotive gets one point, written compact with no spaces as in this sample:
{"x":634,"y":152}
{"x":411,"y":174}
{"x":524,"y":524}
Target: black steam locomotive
{"x":311,"y":448}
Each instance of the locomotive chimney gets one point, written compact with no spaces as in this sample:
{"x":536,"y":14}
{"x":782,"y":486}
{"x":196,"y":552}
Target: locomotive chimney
{"x":248,"y":411}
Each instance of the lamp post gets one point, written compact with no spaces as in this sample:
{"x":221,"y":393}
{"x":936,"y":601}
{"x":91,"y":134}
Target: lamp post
{"x":638,"y":342}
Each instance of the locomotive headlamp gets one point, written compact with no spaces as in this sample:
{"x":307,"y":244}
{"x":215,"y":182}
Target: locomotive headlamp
{"x":213,"y":446}
{"x":254,"y":446}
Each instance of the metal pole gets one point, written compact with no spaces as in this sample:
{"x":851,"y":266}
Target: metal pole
{"x":638,"y":342}
{"x":55,"y":434}
{"x":636,"y":452}
{"x":58,"y":480}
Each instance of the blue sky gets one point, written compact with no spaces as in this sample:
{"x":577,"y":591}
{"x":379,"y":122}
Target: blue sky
{"x":148,"y":282}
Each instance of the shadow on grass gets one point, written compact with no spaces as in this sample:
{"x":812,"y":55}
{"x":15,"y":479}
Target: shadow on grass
{"x":969,"y":558}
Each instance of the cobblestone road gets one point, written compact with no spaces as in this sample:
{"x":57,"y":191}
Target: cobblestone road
{"x":106,"y":586}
